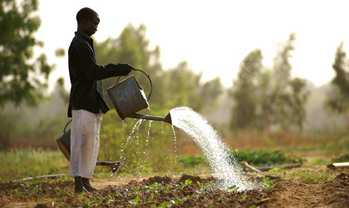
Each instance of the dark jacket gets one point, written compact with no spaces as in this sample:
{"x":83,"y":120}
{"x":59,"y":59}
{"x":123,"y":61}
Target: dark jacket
{"x":86,"y":75}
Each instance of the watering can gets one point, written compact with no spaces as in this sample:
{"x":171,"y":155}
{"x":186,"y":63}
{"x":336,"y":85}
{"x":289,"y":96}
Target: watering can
{"x":128,"y":98}
{"x":63,"y":142}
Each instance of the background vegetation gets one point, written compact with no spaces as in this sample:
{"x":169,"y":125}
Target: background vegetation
{"x":266,"y":107}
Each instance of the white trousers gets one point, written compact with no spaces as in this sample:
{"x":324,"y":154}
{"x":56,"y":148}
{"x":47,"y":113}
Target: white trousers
{"x":84,"y":144}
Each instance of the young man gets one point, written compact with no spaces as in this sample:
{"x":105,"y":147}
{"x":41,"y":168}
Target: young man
{"x":86,"y":104}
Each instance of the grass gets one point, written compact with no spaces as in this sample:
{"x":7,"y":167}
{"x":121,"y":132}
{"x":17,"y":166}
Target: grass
{"x":315,"y":177}
{"x":22,"y":163}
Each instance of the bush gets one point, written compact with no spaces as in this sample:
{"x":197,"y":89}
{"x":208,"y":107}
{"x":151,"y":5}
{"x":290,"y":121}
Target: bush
{"x":341,"y":158}
{"x":263,"y":158}
{"x":188,"y":161}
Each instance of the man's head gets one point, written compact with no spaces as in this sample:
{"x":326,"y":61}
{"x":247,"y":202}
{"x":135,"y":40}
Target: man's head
{"x":88,"y":21}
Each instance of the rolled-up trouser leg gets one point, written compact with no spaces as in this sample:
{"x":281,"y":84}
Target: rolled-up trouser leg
{"x":84,"y":143}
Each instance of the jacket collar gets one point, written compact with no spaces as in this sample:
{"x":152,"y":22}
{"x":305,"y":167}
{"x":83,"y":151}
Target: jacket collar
{"x":83,"y":36}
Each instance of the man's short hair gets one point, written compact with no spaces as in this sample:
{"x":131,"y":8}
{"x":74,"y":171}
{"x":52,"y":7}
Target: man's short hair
{"x":85,"y":13}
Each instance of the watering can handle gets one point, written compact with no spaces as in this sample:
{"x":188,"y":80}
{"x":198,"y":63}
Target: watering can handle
{"x":65,"y":127}
{"x":151,"y":83}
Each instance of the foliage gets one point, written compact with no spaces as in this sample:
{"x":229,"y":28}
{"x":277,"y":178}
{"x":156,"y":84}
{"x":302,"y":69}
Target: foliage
{"x":338,"y":99}
{"x":268,"y":98}
{"x":187,"y":89}
{"x":24,"y":126}
{"x":340,"y":158}
{"x":244,"y":113}
{"x":267,"y":183}
{"x":20,"y":75}
{"x":134,"y":143}
{"x":191,"y":160}
{"x":315,"y":177}
{"x":16,"y":164}
{"x":263,"y":158}
{"x":253,"y":157}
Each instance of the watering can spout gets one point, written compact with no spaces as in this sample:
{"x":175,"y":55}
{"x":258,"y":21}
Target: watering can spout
{"x":166,"y":119}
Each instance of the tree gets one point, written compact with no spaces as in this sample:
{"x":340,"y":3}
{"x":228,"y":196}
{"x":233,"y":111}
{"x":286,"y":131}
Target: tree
{"x":174,"y":87}
{"x":132,"y":47}
{"x":338,"y":99}
{"x":266,"y":98}
{"x":244,"y":113}
{"x":285,"y":106}
{"x":20,"y":75}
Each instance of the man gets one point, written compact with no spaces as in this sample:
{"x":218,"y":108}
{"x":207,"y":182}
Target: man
{"x":86,"y":104}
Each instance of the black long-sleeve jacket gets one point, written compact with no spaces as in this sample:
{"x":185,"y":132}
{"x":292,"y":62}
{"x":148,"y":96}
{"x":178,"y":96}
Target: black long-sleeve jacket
{"x":86,"y":75}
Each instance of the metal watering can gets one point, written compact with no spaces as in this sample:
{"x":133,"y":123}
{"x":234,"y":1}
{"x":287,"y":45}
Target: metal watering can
{"x":128,"y":98}
{"x":63,"y":142}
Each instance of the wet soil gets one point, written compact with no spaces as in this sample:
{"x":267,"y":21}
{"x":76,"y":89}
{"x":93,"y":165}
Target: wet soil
{"x":163,"y":191}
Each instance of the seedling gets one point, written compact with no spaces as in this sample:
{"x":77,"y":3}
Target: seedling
{"x":267,"y":184}
{"x":165,"y":189}
{"x":135,"y":201}
{"x":186,"y":183}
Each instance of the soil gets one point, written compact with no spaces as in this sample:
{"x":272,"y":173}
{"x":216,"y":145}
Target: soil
{"x":163,"y":191}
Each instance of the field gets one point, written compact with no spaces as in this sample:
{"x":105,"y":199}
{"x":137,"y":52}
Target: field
{"x":184,"y":191}
{"x":311,"y":185}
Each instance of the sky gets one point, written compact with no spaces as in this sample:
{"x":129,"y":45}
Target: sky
{"x":212,"y":36}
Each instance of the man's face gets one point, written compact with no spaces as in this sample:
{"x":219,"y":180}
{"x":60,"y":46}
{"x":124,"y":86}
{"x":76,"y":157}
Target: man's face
{"x":91,"y":25}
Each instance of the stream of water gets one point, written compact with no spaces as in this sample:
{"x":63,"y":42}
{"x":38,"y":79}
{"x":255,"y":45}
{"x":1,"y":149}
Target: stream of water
{"x":215,"y":151}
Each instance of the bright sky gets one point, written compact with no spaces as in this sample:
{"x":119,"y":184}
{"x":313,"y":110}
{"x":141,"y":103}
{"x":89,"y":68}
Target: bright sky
{"x":212,"y":36}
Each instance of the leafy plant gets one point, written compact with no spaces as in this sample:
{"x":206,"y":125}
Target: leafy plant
{"x":341,"y":158}
{"x":186,"y":183}
{"x":135,"y":201}
{"x":233,"y":188}
{"x":314,"y":177}
{"x":267,"y":183}
{"x":263,"y":158}
{"x":165,"y":189}
{"x":191,"y":160}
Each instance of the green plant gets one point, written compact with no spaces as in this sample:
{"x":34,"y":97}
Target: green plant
{"x":151,"y":196}
{"x":165,"y":189}
{"x":186,"y":183}
{"x":32,"y":190}
{"x":267,"y":183}
{"x":315,"y":177}
{"x":233,"y":188}
{"x":275,"y":170}
{"x":188,"y":161}
{"x":263,"y":158}
{"x":135,"y":201}
{"x":341,"y":158}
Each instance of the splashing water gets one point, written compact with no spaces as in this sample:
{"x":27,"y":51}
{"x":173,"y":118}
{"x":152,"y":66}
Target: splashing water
{"x":213,"y":148}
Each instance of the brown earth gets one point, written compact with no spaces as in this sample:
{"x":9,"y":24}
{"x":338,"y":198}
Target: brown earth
{"x":163,"y":191}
